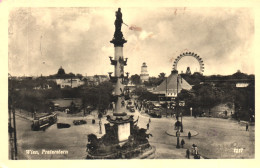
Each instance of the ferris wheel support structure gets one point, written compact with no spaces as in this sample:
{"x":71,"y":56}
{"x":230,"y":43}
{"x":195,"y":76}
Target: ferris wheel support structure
{"x":191,"y":54}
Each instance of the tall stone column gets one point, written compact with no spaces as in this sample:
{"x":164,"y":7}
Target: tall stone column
{"x":120,"y":118}
{"x":119,"y":67}
{"x":119,"y":62}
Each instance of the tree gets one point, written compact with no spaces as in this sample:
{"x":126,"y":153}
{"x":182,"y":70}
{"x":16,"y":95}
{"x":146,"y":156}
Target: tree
{"x":188,"y":97}
{"x":239,"y":75}
{"x":161,"y":75}
{"x":98,"y":96}
{"x":80,"y":76}
{"x":71,"y":74}
{"x":144,"y":94}
{"x":161,"y":78}
{"x":153,"y":81}
{"x":193,"y":79}
{"x":202,"y":96}
{"x":135,"y":79}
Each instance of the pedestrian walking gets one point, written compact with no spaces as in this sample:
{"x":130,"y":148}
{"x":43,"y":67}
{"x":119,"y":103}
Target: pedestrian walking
{"x":246,"y":127}
{"x":193,"y":149}
{"x":150,"y":120}
{"x":189,"y":135}
{"x":182,"y":143}
{"x":225,"y":112}
{"x":100,"y":123}
{"x":147,"y":125}
{"x":188,"y":153}
{"x":113,"y":106}
{"x":196,"y":150}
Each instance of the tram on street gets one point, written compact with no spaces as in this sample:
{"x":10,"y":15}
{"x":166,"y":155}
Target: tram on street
{"x":42,"y":122}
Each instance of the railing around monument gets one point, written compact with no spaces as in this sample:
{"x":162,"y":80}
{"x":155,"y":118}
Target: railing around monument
{"x":120,"y":154}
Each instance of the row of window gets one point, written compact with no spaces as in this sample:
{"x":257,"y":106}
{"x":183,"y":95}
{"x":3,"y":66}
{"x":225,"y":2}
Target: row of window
{"x":170,"y":94}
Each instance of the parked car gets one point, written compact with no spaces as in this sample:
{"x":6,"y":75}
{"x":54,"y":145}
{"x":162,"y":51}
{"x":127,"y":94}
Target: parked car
{"x":62,"y":125}
{"x":79,"y":122}
{"x":156,"y":113}
{"x":132,"y":109}
{"x":129,"y":107}
{"x":202,"y":114}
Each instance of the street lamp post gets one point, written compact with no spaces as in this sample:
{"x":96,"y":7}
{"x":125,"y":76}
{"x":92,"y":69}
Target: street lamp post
{"x":166,"y":97}
{"x":178,"y":140}
{"x":181,"y":124}
{"x":166,"y":109}
{"x":191,"y":111}
{"x":12,"y":131}
{"x":15,"y":139}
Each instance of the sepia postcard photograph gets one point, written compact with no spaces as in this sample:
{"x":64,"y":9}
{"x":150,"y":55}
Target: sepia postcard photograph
{"x":125,"y":82}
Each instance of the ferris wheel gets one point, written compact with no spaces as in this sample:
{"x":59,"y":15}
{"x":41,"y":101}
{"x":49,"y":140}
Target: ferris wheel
{"x":197,"y":57}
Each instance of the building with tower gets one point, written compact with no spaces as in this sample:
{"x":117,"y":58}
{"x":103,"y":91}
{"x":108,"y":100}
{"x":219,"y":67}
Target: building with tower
{"x":144,"y":76}
{"x":172,"y":85}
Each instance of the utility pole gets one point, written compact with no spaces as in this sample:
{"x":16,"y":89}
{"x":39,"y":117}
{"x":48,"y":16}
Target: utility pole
{"x":181,"y":123}
{"x":15,"y":139}
{"x":177,"y":101}
{"x":177,"y":85}
{"x":178,"y":140}
{"x":12,"y":131}
{"x":166,"y":98}
{"x":71,"y":82}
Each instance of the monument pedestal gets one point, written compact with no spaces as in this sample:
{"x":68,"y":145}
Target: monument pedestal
{"x":122,"y":124}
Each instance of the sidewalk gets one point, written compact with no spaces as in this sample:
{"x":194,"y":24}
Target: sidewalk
{"x":166,"y":151}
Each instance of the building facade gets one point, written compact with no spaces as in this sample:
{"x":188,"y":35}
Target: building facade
{"x":64,"y":80}
{"x":172,"y":85}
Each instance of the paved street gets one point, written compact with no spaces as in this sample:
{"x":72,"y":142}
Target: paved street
{"x":217,"y":138}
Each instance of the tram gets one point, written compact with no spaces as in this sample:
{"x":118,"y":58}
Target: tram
{"x":42,"y":122}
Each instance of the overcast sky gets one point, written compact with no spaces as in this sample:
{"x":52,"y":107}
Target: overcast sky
{"x":78,"y":39}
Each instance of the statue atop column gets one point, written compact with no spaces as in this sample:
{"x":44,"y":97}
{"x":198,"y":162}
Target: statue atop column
{"x":118,"y":39}
{"x":118,"y":21}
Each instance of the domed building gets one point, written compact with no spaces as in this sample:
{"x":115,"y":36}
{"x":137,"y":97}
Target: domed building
{"x":61,"y":71}
{"x":64,"y":80}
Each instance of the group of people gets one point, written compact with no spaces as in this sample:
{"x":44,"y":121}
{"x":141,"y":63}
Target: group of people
{"x":194,"y":150}
{"x":139,"y":105}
